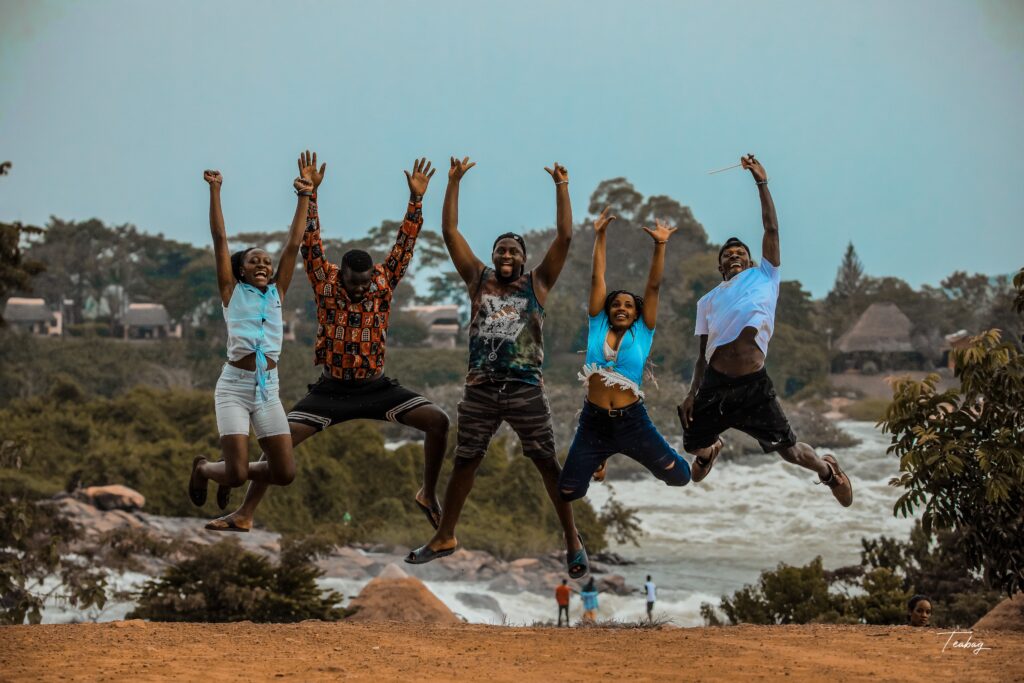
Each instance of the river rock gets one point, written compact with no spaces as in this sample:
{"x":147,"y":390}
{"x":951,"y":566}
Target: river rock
{"x":112,"y":497}
{"x":480,"y":601}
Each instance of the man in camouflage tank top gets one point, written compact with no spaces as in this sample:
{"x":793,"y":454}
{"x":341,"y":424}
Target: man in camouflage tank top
{"x":506,"y":351}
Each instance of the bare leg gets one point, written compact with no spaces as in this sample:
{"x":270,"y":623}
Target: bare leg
{"x":276,"y":465}
{"x":459,"y":486}
{"x":549,"y":472}
{"x":233,"y":470}
{"x":433,"y":422}
{"x":243,"y":516}
{"x":803,"y":455}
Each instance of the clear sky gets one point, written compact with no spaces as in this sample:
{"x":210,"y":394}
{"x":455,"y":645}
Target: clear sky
{"x":893,"y":124}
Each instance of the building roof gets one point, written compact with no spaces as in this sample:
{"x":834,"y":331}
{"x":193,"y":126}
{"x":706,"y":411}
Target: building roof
{"x":881,"y":328}
{"x":146,"y":315}
{"x":443,"y":314}
{"x":23,"y":310}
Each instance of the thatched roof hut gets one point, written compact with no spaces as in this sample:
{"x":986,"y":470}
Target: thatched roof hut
{"x":882,"y":328}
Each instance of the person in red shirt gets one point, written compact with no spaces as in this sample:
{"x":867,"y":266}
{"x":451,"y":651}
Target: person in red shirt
{"x":353,"y":307}
{"x":562,"y":594}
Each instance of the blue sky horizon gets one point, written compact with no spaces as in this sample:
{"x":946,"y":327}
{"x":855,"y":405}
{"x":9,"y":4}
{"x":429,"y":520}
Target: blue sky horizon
{"x":894,"y":126}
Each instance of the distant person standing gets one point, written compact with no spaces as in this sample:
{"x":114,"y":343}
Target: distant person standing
{"x":651,"y":591}
{"x":562,"y":594}
{"x":590,"y":606}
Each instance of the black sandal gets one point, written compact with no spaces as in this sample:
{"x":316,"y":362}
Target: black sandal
{"x":223,"y":496}
{"x":197,"y":492}
{"x":425,"y":554}
{"x":430,"y":511}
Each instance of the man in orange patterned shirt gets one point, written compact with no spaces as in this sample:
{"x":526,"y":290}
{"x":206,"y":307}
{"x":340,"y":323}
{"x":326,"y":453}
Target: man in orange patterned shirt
{"x":353,"y":306}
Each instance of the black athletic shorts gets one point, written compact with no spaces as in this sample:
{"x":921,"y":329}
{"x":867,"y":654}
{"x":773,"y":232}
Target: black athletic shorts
{"x":746,"y":403}
{"x":332,"y":400}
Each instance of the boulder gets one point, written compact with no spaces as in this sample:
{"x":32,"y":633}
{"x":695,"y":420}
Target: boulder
{"x":1008,"y":615}
{"x":112,"y":497}
{"x":480,"y":601}
{"x":401,"y":599}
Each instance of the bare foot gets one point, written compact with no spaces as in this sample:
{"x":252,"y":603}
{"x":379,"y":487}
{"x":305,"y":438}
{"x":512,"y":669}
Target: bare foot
{"x":601,"y":472}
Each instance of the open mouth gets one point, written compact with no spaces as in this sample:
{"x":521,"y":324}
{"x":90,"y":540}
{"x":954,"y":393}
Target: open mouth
{"x":622,"y":316}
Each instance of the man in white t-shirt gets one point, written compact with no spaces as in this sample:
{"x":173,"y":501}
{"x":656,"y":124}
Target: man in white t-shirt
{"x":650,"y":589}
{"x":730,"y":387}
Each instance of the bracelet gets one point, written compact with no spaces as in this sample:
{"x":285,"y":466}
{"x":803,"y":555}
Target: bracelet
{"x":562,"y":182}
{"x":761,"y":182}
{"x":415,"y":198}
{"x":303,"y":194}
{"x":661,"y":241}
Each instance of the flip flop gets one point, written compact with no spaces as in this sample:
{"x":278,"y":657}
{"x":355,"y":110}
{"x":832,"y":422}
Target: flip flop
{"x":425,"y":554}
{"x":226,"y":525}
{"x":223,"y":496}
{"x":197,"y":492}
{"x":579,"y":564}
{"x":701,"y":467}
{"x":429,"y":512}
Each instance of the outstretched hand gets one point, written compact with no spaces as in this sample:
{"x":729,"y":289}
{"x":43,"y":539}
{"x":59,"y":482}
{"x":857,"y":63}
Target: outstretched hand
{"x":420,"y":177}
{"x":303,"y":186}
{"x":754,"y":166}
{"x":459,"y":168}
{"x":603,"y":221}
{"x":214,"y":178}
{"x":558,"y":173}
{"x":661,"y":232}
{"x":307,"y":168}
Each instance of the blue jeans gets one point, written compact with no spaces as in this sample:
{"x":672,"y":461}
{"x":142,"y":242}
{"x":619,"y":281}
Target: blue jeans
{"x":629,"y":431}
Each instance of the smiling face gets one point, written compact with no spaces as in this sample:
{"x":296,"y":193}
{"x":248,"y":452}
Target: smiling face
{"x":622,"y":311}
{"x":509,"y":258}
{"x":733,"y":261}
{"x":921,"y":613}
{"x":257,"y":268}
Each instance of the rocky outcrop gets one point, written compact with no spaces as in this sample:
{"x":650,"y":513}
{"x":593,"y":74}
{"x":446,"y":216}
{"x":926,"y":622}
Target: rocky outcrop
{"x":1008,"y":615}
{"x":396,"y":596}
{"x":112,"y":497}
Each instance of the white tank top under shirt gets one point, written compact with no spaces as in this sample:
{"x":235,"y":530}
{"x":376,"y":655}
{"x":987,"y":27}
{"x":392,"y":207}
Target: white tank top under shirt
{"x":747,"y":300}
{"x":255,"y":326}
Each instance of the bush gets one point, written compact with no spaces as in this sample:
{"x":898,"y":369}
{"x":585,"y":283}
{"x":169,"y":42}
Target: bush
{"x":866,"y":409}
{"x":223,"y":582}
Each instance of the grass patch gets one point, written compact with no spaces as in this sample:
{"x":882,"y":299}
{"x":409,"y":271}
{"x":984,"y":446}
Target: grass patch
{"x":866,"y":409}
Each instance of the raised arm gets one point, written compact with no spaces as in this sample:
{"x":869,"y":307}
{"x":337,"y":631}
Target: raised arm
{"x":286,"y":266}
{"x":549,"y":269}
{"x":398,"y":259}
{"x":598,"y":289}
{"x":770,"y":242}
{"x":314,"y":260}
{"x":221,"y":251}
{"x":660,"y":235}
{"x":466,"y":262}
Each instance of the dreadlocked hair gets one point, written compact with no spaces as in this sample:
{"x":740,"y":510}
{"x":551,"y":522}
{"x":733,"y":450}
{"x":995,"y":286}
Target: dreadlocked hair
{"x":638,"y":302}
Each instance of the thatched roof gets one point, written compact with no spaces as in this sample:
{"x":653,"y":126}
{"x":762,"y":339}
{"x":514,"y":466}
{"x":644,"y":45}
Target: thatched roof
{"x":882,"y":328}
{"x":146,"y":315}
{"x":22,"y":310}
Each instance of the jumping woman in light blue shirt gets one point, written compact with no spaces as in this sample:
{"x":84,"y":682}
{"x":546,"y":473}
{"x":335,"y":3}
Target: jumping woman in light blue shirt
{"x":251,"y":293}
{"x":614,"y":419}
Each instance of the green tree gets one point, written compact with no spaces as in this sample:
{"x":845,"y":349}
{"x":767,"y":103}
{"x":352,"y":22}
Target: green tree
{"x":223,"y":582}
{"x":962,"y":457}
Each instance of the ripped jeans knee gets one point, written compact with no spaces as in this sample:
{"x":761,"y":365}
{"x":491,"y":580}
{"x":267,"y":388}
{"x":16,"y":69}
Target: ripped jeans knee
{"x":672,"y":471}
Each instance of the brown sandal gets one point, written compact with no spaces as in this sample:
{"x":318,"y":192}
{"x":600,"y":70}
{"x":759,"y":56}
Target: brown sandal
{"x":701,"y":467}
{"x":842,"y":487}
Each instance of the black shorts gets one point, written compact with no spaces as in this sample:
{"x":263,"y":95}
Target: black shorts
{"x":331,"y":401}
{"x":746,"y":403}
{"x":523,"y":406}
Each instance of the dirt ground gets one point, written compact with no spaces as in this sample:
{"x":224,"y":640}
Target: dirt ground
{"x":317,"y":651}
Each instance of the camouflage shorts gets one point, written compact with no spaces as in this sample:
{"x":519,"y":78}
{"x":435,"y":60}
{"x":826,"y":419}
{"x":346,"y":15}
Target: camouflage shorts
{"x":523,"y":406}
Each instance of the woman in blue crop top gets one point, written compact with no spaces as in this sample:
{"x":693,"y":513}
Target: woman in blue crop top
{"x":251,"y":293}
{"x":614,"y":419}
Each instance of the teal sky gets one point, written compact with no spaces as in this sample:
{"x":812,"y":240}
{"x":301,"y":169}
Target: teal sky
{"x":896,"y":125}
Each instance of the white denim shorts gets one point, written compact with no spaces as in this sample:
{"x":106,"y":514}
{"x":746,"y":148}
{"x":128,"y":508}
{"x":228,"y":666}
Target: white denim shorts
{"x":238,"y":403}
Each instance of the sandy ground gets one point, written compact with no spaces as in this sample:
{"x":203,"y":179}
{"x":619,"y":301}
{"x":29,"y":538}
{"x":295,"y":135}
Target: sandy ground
{"x":317,"y":651}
